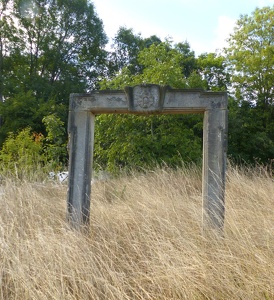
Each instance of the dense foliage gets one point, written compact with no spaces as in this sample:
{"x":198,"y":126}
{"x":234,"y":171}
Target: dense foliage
{"x":151,"y":139}
{"x":49,"y":49}
{"x":250,"y":57}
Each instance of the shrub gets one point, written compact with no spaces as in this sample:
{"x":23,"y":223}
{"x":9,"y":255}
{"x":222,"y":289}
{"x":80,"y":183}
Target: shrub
{"x":22,"y":153}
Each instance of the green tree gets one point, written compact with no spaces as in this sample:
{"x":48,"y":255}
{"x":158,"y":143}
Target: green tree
{"x":123,"y":141}
{"x":63,"y":43}
{"x":126,"y":47}
{"x":8,"y":41}
{"x":162,"y":64}
{"x":19,"y":112}
{"x":188,"y":60}
{"x":213,"y":69}
{"x":56,"y":48}
{"x":126,"y":140}
{"x":250,"y":59}
{"x":249,"y":141}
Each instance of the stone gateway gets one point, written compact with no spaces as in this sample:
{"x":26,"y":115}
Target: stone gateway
{"x":147,"y":99}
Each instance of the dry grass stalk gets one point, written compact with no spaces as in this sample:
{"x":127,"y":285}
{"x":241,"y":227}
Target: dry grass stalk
{"x":145,"y":240}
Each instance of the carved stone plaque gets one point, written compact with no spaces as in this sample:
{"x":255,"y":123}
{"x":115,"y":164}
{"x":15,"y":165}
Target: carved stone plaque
{"x":146,"y":97}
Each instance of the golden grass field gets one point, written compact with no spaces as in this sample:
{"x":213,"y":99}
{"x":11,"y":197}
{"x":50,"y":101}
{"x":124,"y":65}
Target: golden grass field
{"x":144,"y":242}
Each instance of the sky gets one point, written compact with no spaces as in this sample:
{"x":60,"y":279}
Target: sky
{"x":204,"y":24}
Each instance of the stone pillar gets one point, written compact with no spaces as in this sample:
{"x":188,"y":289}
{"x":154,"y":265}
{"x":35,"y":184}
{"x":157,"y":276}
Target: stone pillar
{"x":81,"y":140}
{"x":214,"y":167}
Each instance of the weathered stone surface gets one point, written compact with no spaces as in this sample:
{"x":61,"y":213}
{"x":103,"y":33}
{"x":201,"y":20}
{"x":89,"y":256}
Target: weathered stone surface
{"x":148,"y":99}
{"x":214,"y":167}
{"x":81,"y":140}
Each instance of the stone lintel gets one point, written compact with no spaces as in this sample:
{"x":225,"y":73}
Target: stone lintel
{"x":148,"y":99}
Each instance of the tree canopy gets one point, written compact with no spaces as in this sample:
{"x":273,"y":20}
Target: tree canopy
{"x":56,"y":48}
{"x":250,"y":59}
{"x":51,"y":48}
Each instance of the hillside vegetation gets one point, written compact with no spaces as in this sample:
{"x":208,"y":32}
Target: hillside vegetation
{"x":144,"y":242}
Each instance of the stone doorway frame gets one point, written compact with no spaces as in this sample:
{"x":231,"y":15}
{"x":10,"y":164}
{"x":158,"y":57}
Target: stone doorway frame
{"x":145,"y":100}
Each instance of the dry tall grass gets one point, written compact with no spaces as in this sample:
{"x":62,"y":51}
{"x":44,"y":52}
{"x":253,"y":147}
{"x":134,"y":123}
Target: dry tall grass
{"x":145,"y":240}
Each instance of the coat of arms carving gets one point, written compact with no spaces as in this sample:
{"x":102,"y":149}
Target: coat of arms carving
{"x":146,"y":97}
